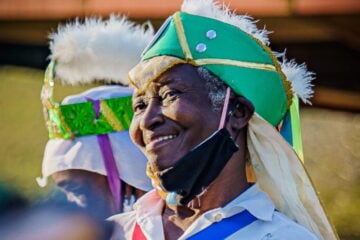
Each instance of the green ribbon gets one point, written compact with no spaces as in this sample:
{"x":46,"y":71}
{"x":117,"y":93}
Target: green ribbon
{"x":296,"y":128}
{"x":76,"y":120}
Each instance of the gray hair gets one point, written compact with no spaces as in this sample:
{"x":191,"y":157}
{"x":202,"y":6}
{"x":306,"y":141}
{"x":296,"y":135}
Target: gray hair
{"x":215,"y":87}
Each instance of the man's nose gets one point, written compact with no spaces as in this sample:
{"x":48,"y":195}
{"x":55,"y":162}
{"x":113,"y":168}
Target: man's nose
{"x":152,"y":115}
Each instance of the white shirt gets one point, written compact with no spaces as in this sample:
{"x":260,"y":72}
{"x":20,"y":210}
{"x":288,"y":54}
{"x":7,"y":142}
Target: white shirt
{"x":270,"y":224}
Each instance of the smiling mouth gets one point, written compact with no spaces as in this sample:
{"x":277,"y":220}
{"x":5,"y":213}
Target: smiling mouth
{"x":163,"y":138}
{"x":156,"y":142}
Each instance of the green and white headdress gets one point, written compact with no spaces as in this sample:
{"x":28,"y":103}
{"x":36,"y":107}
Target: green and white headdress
{"x":89,"y":131}
{"x":231,"y":47}
{"x":88,"y":52}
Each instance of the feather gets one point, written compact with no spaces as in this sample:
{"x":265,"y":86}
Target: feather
{"x":211,"y":9}
{"x":300,"y":79}
{"x":298,"y":75}
{"x":98,"y":49}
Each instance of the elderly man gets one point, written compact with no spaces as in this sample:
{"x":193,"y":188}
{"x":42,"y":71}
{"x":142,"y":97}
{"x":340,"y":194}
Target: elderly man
{"x":90,"y":155}
{"x":210,"y":98}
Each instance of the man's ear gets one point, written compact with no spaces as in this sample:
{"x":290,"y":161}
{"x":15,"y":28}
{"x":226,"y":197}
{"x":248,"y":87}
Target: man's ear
{"x":241,"y":112}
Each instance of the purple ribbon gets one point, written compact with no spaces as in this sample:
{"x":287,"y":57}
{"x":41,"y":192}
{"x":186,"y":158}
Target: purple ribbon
{"x":112,"y":173}
{"x":111,"y":169}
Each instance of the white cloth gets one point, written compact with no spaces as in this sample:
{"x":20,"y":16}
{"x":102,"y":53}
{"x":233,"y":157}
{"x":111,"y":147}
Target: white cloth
{"x":84,"y":153}
{"x":270,"y":224}
{"x":281,"y":174}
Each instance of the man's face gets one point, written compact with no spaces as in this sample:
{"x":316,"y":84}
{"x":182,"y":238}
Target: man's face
{"x":172,"y":114}
{"x":87,"y":189}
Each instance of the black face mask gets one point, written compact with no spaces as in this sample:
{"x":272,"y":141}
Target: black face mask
{"x":194,"y":172}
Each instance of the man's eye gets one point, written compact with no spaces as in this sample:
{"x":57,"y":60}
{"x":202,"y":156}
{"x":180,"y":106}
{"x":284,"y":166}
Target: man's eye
{"x":139,"y":106}
{"x":170,"y":95}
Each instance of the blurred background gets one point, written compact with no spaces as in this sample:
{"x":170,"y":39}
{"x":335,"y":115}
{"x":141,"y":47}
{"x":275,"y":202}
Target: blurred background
{"x":323,"y":33}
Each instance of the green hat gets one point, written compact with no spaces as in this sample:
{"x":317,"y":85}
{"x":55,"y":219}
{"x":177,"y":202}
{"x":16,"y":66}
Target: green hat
{"x":237,"y":57}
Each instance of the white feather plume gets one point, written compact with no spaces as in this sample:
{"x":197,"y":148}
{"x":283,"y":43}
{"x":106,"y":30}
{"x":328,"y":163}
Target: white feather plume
{"x":297,"y":74}
{"x":300,"y":79}
{"x":212,"y":9}
{"x":98,"y":50}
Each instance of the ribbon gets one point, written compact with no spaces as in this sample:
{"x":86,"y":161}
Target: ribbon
{"x":218,"y":230}
{"x":112,"y":173}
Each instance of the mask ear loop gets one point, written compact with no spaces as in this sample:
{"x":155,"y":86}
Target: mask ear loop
{"x":250,"y":174}
{"x":225,"y":108}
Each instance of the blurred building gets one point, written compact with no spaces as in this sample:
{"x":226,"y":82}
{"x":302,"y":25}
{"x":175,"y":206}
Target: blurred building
{"x":323,"y":33}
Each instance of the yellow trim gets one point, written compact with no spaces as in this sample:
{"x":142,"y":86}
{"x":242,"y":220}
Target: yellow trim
{"x":110,"y":117}
{"x":52,"y":107}
{"x":132,"y":82}
{"x":250,"y":173}
{"x":286,"y":83}
{"x":63,"y":123}
{"x":154,"y":76}
{"x":55,"y":127}
{"x":261,"y":66}
{"x":181,"y":36}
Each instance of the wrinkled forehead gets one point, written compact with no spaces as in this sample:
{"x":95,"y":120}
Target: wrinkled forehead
{"x":146,"y":72}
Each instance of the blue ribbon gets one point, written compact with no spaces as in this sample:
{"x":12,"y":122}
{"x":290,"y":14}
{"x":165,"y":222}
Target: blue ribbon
{"x":226,"y":227}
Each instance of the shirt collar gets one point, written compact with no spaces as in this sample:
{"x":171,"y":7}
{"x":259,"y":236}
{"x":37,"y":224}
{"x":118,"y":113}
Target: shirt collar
{"x":149,"y":205}
{"x":255,"y":201}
